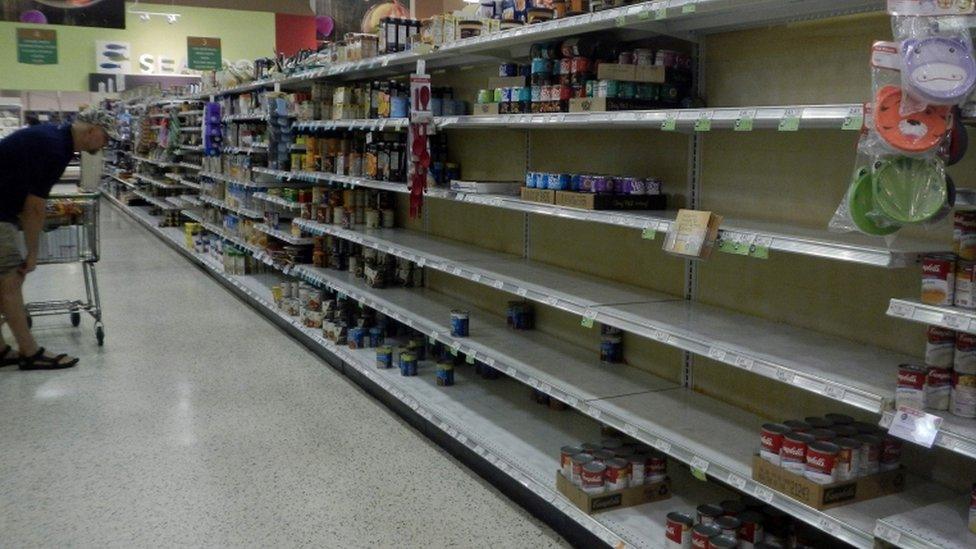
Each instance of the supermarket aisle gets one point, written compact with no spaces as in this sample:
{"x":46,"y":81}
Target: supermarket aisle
{"x":199,"y":423}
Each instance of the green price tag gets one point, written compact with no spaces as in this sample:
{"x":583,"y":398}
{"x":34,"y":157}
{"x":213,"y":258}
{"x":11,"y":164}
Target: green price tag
{"x":431,"y":340}
{"x":661,"y":13}
{"x":790,"y":121}
{"x":699,"y":474}
{"x":670,"y":122}
{"x":469,"y":359}
{"x":744,"y":122}
{"x":644,"y":15}
{"x":586,"y":322}
{"x":454,"y":351}
{"x":688,"y":8}
{"x":854,"y":119}
{"x":648,"y":234}
{"x":759,"y":252}
{"x":621,"y":20}
{"x":704,"y":122}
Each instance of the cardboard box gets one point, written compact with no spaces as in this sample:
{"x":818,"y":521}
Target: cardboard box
{"x":826,"y":496}
{"x":544,"y":196}
{"x":590,"y":201}
{"x":507,"y":82}
{"x":652,"y":74}
{"x":693,"y":234}
{"x":627,"y":497}
{"x":483,"y":109}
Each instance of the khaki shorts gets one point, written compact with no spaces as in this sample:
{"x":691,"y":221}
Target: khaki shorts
{"x":10,"y":257}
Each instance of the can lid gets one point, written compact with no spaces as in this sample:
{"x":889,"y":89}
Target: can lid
{"x":723,"y":542}
{"x":819,"y":422}
{"x":594,"y":467}
{"x":825,"y":447}
{"x":624,"y":452}
{"x":582,"y":458}
{"x":865,"y":428}
{"x":571,"y":450}
{"x":603,"y":455}
{"x":688,"y":520}
{"x":611,"y":443}
{"x":848,"y":443}
{"x":707,"y":530}
{"x":727,"y":523}
{"x":823,"y":434}
{"x":869,"y":439}
{"x":797,"y":425}
{"x":800,"y":437}
{"x":617,"y":463}
{"x":710,"y":510}
{"x":776,"y":428}
{"x":844,"y":430}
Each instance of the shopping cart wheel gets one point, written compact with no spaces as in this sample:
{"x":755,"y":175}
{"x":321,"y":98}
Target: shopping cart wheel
{"x":100,"y":335}
{"x":75,"y":319}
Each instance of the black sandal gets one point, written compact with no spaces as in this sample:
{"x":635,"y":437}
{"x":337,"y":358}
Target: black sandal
{"x":40,"y":362}
{"x":8,"y":357}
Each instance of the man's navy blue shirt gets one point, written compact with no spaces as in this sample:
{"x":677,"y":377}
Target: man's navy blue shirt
{"x":32,"y":161}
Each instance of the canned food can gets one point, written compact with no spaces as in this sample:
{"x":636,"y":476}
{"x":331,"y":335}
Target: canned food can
{"x":506,"y":95}
{"x":643,"y":57}
{"x":602,"y":455}
{"x":964,"y":234}
{"x":444,"y":374}
{"x":508,"y":69}
{"x":384,"y":357}
{"x":580,"y":65}
{"x":459,"y":323}
{"x":724,"y":541}
{"x":939,"y":345}
{"x":578,"y":461}
{"x":964,"y":359}
{"x":611,"y":443}
{"x":593,"y":478}
{"x":890,"y":453}
{"x":655,"y":468}
{"x":821,"y":457}
{"x":625,"y":58}
{"x":357,"y":337}
{"x":729,"y":525}
{"x":375,"y":337}
{"x":938,"y":279}
{"x":848,"y":463}
{"x":844,"y":431}
{"x":938,"y":386}
{"x":702,"y":533}
{"x":823,"y":435}
{"x":589,"y":447}
{"x":817,"y":422}
{"x":618,"y":474}
{"x":708,"y":513}
{"x":541,"y":66}
{"x":611,"y":349}
{"x":911,"y":386}
{"x":536,"y":93}
{"x":964,"y":295}
{"x":962,"y":401}
{"x":677,"y":530}
{"x":798,"y":426}
{"x":751,"y":530}
{"x":565,"y":65}
{"x":870,"y":454}
{"x":839,"y":419}
{"x":793,"y":453}
{"x":485,"y":96}
{"x":771,"y":437}
{"x":408,"y":364}
{"x":566,"y":454}
{"x":637,"y":468}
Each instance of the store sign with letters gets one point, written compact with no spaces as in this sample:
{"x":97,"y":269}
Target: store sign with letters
{"x":37,"y":46}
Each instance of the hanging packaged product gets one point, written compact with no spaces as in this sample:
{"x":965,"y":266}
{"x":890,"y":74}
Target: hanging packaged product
{"x":938,"y":64}
{"x":693,"y":234}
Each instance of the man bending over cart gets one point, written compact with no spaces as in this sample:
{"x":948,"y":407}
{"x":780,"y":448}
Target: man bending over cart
{"x":32,"y":161}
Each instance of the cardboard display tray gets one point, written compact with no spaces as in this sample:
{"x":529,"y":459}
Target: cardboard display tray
{"x":628,"y":497}
{"x":589,"y":201}
{"x":544,"y":196}
{"x":826,"y":496}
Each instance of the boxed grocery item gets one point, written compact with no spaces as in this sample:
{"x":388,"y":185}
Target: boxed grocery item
{"x":506,"y":82}
{"x":628,"y":497}
{"x":482,"y":109}
{"x":591,"y":201}
{"x":539,"y":195}
{"x":826,"y":496}
{"x":601,"y":104}
{"x":653,"y":74}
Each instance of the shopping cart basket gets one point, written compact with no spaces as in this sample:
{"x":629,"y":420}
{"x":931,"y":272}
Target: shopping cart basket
{"x":71,"y":236}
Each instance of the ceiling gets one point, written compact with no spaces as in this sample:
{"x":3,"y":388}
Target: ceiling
{"x":301,"y":7}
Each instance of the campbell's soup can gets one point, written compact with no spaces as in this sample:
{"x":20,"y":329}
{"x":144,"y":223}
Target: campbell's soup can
{"x":637,"y":467}
{"x":729,"y":525}
{"x":750,"y":529}
{"x":771,"y":437}
{"x":821,"y":457}
{"x":890,"y":453}
{"x":702,"y":533}
{"x":593,"y":478}
{"x":939,"y":345}
{"x":964,"y":234}
{"x":793,"y":453}
{"x":870,"y":454}
{"x":839,"y":419}
{"x":677,"y":530}
{"x":818,"y":422}
{"x":823,"y":435}
{"x":618,"y":474}
{"x":964,"y":360}
{"x":964,"y":295}
{"x":938,"y":386}
{"x":723,"y":541}
{"x":566,"y":454}
{"x":708,"y":513}
{"x":798,"y":426}
{"x":938,"y":279}
{"x":844,"y":431}
{"x":848,"y":463}
{"x":962,"y":399}
{"x":911,"y":386}
{"x":579,"y":460}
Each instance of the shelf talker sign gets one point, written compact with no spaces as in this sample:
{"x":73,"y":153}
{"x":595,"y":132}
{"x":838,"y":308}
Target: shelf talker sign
{"x":37,"y":46}
{"x":203,"y":54}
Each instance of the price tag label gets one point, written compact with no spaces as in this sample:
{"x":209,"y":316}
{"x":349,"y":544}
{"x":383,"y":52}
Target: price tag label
{"x":476,"y":277}
{"x":955,"y":322}
{"x":522,"y":292}
{"x":455,"y":348}
{"x":660,"y":335}
{"x":644,"y":14}
{"x":915,"y":426}
{"x":648,"y":233}
{"x":854,"y":119}
{"x":588,"y":317}
{"x":737,"y":481}
{"x":760,"y":247}
{"x":744,"y":362}
{"x":469,"y":358}
{"x":744,"y":121}
{"x":630,"y":430}
{"x":716,"y":354}
{"x":704,"y":121}
{"x":621,"y":20}
{"x":886,"y":533}
{"x":827,"y":525}
{"x":784,"y":375}
{"x":689,"y":8}
{"x":670,"y":122}
{"x":457,"y":271}
{"x":662,"y":445}
{"x":489,"y":361}
{"x":763,"y":493}
{"x":699,"y":463}
{"x":571,"y":401}
{"x":594,"y":413}
{"x":661,"y":13}
{"x":790,"y":121}
{"x":510,"y":372}
{"x":835,"y":392}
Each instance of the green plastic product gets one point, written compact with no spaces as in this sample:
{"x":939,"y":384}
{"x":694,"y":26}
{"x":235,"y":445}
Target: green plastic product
{"x":909,"y":190}
{"x":860,"y":201}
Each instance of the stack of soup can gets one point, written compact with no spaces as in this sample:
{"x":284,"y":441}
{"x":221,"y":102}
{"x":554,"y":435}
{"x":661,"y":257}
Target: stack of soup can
{"x":829,"y":449}
{"x":745,"y":523}
{"x":612,"y":465}
{"x":592,"y":183}
{"x":946,"y":380}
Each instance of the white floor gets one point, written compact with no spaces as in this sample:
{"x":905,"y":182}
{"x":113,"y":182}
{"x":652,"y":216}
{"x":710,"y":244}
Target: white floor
{"x":200,"y":424}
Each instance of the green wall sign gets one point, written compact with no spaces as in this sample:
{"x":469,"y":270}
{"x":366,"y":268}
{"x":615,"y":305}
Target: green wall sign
{"x":203,"y":54}
{"x":37,"y":46}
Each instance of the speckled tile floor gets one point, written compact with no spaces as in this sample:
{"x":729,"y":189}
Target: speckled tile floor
{"x":201,"y":424}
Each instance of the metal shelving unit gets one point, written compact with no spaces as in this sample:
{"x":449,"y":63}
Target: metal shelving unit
{"x":937,"y":526}
{"x":278,"y":201}
{"x":851,"y":373}
{"x":162,"y":203}
{"x":957,"y":434}
{"x":954,"y":318}
{"x":371,"y":124}
{"x":282,"y":235}
{"x":160,"y":163}
{"x":224,"y":205}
